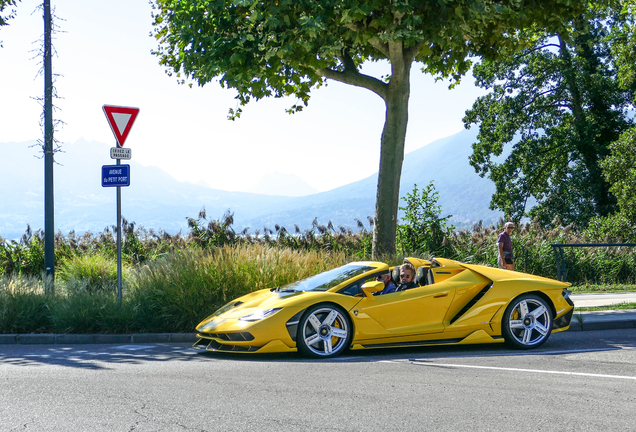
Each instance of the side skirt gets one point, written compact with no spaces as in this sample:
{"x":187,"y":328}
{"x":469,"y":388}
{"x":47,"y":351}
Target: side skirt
{"x":477,"y":337}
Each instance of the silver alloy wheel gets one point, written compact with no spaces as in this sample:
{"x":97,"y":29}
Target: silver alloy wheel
{"x":530,"y":321}
{"x":325,"y":331}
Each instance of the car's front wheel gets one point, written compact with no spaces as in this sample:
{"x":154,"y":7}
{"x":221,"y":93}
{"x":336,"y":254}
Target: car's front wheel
{"x":527,"y":322}
{"x":324,"y":331}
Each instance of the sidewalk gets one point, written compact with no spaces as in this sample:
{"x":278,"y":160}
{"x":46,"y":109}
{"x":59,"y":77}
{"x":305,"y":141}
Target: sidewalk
{"x":581,"y":321}
{"x":603,"y":320}
{"x":602,"y":299}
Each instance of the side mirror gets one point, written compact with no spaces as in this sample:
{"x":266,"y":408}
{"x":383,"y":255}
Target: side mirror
{"x":370,"y":287}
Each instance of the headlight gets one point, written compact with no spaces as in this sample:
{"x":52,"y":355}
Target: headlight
{"x":208,"y":326}
{"x":225,"y":308}
{"x":259,"y":315}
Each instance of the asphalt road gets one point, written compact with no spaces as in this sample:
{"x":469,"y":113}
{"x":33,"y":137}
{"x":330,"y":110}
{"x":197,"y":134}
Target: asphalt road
{"x":583,"y":381}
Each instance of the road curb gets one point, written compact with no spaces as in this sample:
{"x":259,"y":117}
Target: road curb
{"x":603,"y":320}
{"x":581,"y":321}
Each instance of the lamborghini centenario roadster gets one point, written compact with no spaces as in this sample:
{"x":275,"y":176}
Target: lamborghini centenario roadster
{"x":455,"y":303}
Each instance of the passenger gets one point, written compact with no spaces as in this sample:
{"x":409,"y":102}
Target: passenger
{"x":389,"y":286}
{"x":407,"y":277}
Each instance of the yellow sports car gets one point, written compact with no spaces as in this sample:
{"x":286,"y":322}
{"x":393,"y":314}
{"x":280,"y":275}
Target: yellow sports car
{"x":453,"y":304}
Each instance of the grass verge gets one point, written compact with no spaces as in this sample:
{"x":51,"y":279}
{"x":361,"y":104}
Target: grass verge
{"x":602,"y":288}
{"x":618,"y":306}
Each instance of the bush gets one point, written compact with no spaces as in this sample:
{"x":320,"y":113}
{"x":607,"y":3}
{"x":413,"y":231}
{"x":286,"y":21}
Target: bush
{"x":93,"y":312}
{"x":175,"y":293}
{"x":23,"y":305}
{"x":92,"y":273}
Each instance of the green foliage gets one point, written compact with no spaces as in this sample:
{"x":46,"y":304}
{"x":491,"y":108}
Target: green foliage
{"x":614,"y":228}
{"x":4,"y":4}
{"x":26,"y":256}
{"x":556,"y":107}
{"x":23,"y":257}
{"x":424,"y":231}
{"x":174,"y":291}
{"x":286,"y":48}
{"x":23,"y":305}
{"x":215,"y":233}
{"x":624,"y":46}
{"x":532,"y":248}
{"x":319,"y":237}
{"x":619,"y":169}
{"x":94,"y":272}
{"x":85,"y":312}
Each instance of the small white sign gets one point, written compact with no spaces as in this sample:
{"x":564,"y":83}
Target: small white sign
{"x":120,"y":153}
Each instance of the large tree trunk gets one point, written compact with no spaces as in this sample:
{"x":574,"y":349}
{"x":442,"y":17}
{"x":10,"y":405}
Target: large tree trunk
{"x":391,"y":157}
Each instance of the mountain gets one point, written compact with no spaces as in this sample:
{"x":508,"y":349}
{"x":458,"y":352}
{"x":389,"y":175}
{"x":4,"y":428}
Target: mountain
{"x":283,"y":184}
{"x":462,"y":193}
{"x":156,"y":200}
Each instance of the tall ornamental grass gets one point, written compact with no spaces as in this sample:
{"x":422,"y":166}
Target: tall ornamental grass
{"x":24,"y":308}
{"x":172,"y":293}
{"x":176,"y":292}
{"x":534,"y":254}
{"x":93,"y":273}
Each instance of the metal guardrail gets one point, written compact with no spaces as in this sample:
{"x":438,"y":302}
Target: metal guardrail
{"x":562,"y":271}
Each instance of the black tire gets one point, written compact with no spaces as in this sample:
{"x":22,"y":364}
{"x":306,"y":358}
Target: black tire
{"x":324,"y":331}
{"x":527,"y":322}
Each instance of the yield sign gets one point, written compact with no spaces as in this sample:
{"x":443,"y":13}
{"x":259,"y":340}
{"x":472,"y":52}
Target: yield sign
{"x":120,"y":120}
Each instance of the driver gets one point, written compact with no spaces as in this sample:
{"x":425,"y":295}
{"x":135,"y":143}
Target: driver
{"x":407,"y":277}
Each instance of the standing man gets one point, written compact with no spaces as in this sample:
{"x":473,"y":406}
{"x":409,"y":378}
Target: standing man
{"x":504,"y":247}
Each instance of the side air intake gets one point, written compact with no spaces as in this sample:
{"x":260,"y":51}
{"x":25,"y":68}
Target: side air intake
{"x":471,"y":303}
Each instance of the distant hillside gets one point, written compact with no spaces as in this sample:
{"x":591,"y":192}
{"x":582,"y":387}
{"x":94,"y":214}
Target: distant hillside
{"x":282,"y":184}
{"x":156,"y":200}
{"x":462,"y":193}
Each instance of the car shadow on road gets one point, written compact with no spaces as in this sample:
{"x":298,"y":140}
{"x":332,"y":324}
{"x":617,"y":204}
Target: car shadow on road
{"x":103,"y":357}
{"x":95,"y":357}
{"x":558,"y":344}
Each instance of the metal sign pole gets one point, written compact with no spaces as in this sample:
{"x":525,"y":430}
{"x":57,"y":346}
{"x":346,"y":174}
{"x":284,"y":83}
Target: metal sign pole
{"x":120,"y":120}
{"x":119,"y":241}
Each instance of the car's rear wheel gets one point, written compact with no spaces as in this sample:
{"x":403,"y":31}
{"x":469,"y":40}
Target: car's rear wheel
{"x":527,"y":322}
{"x":324,"y":331}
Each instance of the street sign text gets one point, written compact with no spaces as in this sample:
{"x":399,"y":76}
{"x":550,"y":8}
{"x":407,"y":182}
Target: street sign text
{"x":120,"y":153}
{"x":115,"y":175}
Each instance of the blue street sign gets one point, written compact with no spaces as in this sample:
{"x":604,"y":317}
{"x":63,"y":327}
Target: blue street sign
{"x":115,"y":175}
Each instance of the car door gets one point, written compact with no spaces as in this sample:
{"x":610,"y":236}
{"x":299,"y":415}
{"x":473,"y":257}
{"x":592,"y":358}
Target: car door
{"x":414,"y":311}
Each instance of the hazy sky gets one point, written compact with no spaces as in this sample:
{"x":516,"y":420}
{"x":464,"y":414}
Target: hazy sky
{"x":103,"y":57}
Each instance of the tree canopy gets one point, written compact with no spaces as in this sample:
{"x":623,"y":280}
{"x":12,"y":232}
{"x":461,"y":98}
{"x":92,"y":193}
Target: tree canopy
{"x":4,"y":4}
{"x":619,"y":168}
{"x":281,"y":48}
{"x":5,"y":13}
{"x":558,"y":105}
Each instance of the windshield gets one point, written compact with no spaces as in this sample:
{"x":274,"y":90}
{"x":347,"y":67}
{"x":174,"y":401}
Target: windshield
{"x":329,"y":279}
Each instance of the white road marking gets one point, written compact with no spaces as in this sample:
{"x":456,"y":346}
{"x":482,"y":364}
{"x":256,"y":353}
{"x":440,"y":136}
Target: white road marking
{"x":525,"y":353}
{"x":450,"y":365}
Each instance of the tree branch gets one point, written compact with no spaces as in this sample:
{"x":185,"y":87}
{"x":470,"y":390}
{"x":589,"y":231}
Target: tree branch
{"x":355,"y":78}
{"x":411,"y":52}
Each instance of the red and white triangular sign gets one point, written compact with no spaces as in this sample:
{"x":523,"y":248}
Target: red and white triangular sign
{"x":120,"y":120}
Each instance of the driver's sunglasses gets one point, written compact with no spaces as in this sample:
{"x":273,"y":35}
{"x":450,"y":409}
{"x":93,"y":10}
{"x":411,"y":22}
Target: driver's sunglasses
{"x":405,"y":276}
